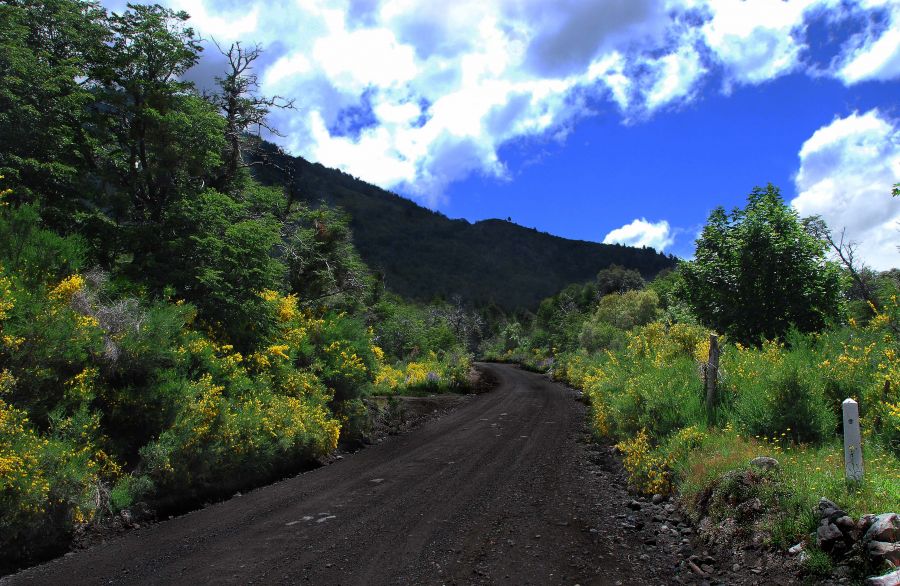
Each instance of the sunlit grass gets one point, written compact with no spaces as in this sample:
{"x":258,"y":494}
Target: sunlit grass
{"x":805,"y":474}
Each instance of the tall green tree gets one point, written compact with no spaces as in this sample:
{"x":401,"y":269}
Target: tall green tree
{"x":618,"y":279}
{"x":165,"y":140}
{"x":760,"y":270}
{"x":48,"y":49}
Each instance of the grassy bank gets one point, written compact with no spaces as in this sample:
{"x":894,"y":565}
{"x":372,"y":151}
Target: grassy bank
{"x":780,"y":400}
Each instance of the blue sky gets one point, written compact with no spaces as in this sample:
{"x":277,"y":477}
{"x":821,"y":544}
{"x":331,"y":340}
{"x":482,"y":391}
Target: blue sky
{"x":606,"y":120}
{"x":676,"y":166}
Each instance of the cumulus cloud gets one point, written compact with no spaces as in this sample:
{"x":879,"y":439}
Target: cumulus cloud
{"x":414,"y":94}
{"x":846,"y":172}
{"x":640,"y":232}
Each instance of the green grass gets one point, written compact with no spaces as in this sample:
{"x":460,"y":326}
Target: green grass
{"x":805,"y":474}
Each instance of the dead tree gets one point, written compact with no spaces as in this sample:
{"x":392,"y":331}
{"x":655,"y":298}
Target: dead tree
{"x":846,"y":253}
{"x":245,"y":111}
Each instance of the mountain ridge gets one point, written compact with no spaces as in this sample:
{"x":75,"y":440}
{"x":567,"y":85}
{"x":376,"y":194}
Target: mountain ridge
{"x":422,"y":254}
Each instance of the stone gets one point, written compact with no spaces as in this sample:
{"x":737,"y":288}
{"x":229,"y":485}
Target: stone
{"x":634,"y":505}
{"x":764,"y":462}
{"x":795,"y":549}
{"x":696,"y":569}
{"x":865,"y":522}
{"x":892,"y":579}
{"x":828,"y":535}
{"x":141,"y":511}
{"x":883,"y":551}
{"x":885,"y":527}
{"x":829,"y":510}
{"x":658,"y":498}
{"x":846,"y":524}
{"x":842,"y":571}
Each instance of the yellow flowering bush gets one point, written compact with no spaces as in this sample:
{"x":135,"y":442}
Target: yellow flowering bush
{"x":48,"y":482}
{"x":67,"y":288}
{"x":648,"y":472}
{"x":389,"y":378}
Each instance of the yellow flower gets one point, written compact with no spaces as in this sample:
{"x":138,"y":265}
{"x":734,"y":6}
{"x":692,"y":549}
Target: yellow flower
{"x":67,"y":288}
{"x":279,"y":351}
{"x":86,"y":321}
{"x":269,"y":295}
{"x":6,"y":300}
{"x":13,"y":342}
{"x":7,"y":381}
{"x":287,"y":308}
{"x":4,"y":193}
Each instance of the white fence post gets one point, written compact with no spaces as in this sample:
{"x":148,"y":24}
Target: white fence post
{"x":853,"y":459}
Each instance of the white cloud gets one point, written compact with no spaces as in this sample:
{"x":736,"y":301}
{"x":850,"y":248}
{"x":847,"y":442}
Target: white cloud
{"x":640,"y":232}
{"x":756,"y":41}
{"x":875,"y":53}
{"x":677,"y":76}
{"x":846,"y":172}
{"x":415,"y":94}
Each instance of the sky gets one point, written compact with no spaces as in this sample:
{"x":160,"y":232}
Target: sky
{"x":604,"y":120}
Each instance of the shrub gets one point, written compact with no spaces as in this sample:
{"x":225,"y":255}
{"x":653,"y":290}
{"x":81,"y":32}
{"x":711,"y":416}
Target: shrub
{"x":775,"y":391}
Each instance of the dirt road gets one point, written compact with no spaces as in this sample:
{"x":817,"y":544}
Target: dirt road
{"x":503,"y":490}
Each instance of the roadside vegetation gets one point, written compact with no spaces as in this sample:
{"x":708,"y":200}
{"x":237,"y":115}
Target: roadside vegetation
{"x":798,"y":335}
{"x":170,"y":330}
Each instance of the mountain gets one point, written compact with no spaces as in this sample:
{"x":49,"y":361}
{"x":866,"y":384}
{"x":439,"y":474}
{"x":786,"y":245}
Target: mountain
{"x":422,"y":254}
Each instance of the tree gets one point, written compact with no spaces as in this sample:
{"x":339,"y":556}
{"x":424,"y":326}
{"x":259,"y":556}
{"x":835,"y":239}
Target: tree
{"x":323,"y":266}
{"x":760,"y":270}
{"x":165,"y":141}
{"x":618,"y":279}
{"x":242,"y":108}
{"x":47,"y":51}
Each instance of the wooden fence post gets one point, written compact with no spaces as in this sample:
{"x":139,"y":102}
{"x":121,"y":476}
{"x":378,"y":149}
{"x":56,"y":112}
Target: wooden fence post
{"x":853,"y":459}
{"x":712,"y":375}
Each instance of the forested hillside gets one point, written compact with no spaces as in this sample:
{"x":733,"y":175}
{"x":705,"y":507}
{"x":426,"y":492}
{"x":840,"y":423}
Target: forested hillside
{"x":423,"y":254}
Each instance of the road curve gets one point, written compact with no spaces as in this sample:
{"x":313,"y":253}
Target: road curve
{"x":495,"y":492}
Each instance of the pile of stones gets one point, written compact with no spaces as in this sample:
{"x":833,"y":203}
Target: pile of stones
{"x":875,"y":538}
